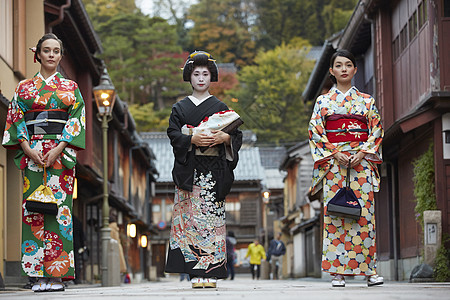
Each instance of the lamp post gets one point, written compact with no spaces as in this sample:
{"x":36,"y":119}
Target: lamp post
{"x":265,"y":268}
{"x":105,"y":96}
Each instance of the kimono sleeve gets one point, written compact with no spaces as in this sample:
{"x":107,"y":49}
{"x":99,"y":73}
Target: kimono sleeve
{"x":372,"y":147}
{"x":321,"y":149}
{"x":75,"y":129}
{"x":15,"y":128}
{"x":235,"y":145}
{"x":180,"y":142}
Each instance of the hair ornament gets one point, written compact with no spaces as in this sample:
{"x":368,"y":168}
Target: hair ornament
{"x":200,"y":58}
{"x":34,"y":51}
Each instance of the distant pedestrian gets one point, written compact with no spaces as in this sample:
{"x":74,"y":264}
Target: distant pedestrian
{"x":345,"y":132}
{"x":257,"y":253}
{"x":205,"y":157}
{"x":46,"y":125}
{"x":275,"y":255}
{"x":231,"y":254}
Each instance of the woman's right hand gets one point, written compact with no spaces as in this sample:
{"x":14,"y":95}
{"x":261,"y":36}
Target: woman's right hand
{"x":202,"y":140}
{"x":35,"y":155}
{"x":341,"y":158}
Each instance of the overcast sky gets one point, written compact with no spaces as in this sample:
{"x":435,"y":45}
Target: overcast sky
{"x":146,"y":6}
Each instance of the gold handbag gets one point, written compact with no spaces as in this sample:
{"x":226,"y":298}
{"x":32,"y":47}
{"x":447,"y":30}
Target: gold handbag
{"x":42,"y":199}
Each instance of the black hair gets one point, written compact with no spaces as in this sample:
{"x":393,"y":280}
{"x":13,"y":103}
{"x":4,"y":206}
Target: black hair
{"x":47,"y":36}
{"x":343,"y":53}
{"x":200,"y":58}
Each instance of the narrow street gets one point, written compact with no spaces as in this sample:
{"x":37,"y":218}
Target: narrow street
{"x":245,"y":288}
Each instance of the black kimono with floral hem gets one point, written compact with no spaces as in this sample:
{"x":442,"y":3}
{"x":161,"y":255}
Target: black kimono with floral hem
{"x":197,"y":239}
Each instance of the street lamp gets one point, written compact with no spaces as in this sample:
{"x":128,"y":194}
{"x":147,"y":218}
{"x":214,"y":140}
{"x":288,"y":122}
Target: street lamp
{"x":143,"y":241}
{"x":264,"y":264}
{"x":105,"y":96}
{"x":266,"y":198}
{"x":131,"y":230}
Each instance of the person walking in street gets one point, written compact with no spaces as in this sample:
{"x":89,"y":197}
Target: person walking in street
{"x":205,"y":158}
{"x":275,"y":255}
{"x":256,"y":252}
{"x":345,"y":131}
{"x":46,"y":124}
{"x":231,"y":254}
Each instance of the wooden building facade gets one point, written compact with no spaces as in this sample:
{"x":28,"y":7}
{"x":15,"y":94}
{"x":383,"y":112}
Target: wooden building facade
{"x":131,"y":162}
{"x":402,"y":59}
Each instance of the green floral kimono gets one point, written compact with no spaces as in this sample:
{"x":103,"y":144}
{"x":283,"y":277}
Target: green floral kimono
{"x":47,"y":240}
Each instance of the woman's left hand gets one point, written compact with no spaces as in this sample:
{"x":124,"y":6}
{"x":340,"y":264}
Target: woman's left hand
{"x":356,"y":159}
{"x":220,"y":137}
{"x":52,"y":155}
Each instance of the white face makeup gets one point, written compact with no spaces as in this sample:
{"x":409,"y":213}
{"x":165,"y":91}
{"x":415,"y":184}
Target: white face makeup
{"x":201,"y":79}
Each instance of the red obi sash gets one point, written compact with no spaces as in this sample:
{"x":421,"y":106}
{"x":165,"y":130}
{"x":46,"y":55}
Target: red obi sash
{"x":346,"y":128}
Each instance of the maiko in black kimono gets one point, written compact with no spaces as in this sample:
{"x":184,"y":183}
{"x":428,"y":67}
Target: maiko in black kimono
{"x":203,"y":178}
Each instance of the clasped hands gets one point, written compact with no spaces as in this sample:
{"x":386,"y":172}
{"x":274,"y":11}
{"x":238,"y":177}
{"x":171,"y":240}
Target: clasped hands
{"x":216,"y":137}
{"x":354,"y":159}
{"x":46,"y":160}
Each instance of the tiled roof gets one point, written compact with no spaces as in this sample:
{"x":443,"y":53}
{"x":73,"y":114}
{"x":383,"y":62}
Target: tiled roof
{"x":248,"y":169}
{"x":271,"y":157}
{"x":314,"y":53}
{"x":160,"y":144}
{"x":249,"y":166}
{"x":274,"y":179}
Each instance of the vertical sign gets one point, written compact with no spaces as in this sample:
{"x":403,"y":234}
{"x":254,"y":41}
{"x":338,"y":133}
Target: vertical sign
{"x":431,"y":229}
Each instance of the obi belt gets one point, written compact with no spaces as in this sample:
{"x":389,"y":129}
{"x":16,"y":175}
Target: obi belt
{"x":50,"y":121}
{"x":346,"y":128}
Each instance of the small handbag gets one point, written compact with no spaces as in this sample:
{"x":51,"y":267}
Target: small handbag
{"x":42,"y":199}
{"x":345,"y":203}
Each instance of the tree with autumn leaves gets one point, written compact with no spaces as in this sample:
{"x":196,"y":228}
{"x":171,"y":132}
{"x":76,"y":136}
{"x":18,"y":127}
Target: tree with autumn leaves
{"x":222,"y":27}
{"x":265,"y":40}
{"x":141,"y":53}
{"x":269,"y":95}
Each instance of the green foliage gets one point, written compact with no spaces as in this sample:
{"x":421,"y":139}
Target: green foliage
{"x":424,"y":183}
{"x":337,"y":13}
{"x":147,"y":119}
{"x":442,"y":261}
{"x":279,"y":21}
{"x":101,"y":10}
{"x":269,"y":94}
{"x":141,"y":53}
{"x":177,"y":11}
{"x":221,"y":27}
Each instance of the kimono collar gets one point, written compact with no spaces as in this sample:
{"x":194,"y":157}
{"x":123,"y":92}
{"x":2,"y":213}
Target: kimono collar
{"x":350,"y":91}
{"x":50,"y":78}
{"x":52,"y":82}
{"x":197,"y":101}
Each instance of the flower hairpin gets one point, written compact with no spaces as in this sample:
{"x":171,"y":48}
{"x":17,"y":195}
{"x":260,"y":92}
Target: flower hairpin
{"x":34,"y":51}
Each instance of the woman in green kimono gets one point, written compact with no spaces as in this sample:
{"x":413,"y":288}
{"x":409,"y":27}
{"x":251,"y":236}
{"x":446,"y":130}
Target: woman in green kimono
{"x":46,"y":123}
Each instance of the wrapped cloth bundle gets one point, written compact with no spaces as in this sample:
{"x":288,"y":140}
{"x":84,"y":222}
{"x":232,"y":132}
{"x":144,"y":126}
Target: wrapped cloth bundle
{"x":226,"y":121}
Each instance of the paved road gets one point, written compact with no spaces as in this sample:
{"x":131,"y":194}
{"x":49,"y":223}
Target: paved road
{"x":245,"y":288}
